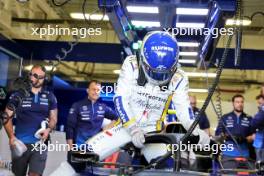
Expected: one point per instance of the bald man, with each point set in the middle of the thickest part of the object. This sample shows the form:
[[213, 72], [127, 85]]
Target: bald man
[[41, 104]]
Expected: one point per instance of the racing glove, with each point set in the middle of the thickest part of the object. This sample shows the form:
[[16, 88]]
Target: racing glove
[[137, 136]]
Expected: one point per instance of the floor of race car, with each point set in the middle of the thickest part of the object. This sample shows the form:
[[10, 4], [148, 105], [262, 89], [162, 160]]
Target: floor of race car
[[153, 172]]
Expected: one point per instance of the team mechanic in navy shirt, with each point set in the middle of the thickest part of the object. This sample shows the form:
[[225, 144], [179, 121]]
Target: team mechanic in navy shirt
[[257, 124], [85, 119], [41, 104], [204, 122], [236, 123]]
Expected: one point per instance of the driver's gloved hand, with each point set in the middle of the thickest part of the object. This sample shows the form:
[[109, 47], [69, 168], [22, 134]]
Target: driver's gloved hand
[[137, 135]]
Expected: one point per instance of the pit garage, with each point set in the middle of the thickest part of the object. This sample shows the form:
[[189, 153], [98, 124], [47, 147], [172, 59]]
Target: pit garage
[[100, 74]]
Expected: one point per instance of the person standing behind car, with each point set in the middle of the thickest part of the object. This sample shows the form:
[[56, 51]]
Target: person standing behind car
[[235, 127], [33, 110], [257, 124], [85, 120], [204, 122]]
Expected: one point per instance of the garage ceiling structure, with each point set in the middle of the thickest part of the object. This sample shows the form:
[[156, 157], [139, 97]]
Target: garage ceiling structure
[[17, 19]]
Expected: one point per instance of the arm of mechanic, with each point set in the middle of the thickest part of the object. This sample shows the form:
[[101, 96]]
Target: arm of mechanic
[[250, 138], [111, 115], [258, 121], [52, 124], [9, 128], [13, 103], [220, 129], [71, 124], [205, 124], [53, 116]]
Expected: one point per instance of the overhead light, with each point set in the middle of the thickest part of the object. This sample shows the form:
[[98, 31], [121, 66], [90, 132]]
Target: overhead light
[[142, 9], [28, 67], [135, 46], [244, 22], [198, 90], [190, 25], [95, 17], [116, 71], [200, 74], [188, 53], [22, 1], [187, 61], [145, 23], [200, 101], [188, 44], [47, 67], [191, 11]]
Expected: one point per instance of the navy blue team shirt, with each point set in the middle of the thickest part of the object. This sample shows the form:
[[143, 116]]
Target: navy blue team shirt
[[203, 122], [257, 123], [31, 112], [238, 126], [85, 120]]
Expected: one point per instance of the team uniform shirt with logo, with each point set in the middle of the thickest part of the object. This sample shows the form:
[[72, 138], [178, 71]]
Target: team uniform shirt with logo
[[239, 127], [31, 112], [258, 123], [85, 120], [203, 122]]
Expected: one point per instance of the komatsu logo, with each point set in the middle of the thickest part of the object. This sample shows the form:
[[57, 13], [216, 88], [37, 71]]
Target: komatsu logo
[[163, 48]]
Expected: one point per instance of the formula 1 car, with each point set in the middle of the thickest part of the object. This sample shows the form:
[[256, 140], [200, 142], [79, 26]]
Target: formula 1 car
[[176, 166]]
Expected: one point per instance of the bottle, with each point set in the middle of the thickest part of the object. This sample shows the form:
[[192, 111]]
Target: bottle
[[19, 148], [62, 128]]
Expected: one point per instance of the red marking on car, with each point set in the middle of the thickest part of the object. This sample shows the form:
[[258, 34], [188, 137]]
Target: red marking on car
[[108, 133]]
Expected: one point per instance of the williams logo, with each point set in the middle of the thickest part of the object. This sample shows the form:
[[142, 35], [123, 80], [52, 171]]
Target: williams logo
[[161, 48]]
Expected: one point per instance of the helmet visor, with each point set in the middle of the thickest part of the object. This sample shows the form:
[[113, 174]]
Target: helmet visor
[[158, 74]]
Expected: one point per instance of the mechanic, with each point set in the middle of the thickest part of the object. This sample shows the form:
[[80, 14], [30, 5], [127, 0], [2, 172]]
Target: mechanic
[[146, 86], [235, 128], [257, 124], [85, 120], [41, 104], [204, 122]]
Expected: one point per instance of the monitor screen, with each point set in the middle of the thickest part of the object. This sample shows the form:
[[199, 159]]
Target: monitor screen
[[9, 69]]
